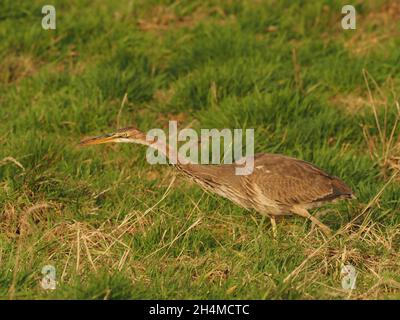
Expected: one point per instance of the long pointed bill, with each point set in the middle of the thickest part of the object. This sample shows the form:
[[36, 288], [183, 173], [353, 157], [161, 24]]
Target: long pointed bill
[[106, 138]]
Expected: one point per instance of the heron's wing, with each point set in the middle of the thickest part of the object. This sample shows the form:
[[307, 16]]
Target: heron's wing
[[289, 181]]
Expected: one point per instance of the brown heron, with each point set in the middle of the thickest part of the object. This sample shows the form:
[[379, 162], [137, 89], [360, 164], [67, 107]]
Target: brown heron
[[278, 186]]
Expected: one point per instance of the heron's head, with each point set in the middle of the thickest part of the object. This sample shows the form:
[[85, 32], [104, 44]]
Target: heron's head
[[127, 135]]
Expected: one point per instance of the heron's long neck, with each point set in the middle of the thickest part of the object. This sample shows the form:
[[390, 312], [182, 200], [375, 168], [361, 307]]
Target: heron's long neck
[[170, 153]]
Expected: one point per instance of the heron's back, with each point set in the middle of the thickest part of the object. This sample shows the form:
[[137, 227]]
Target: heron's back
[[276, 184]]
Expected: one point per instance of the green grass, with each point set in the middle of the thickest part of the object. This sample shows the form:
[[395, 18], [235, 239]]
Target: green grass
[[116, 227]]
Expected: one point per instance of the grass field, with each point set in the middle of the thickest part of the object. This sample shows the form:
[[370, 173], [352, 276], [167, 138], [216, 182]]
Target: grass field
[[115, 227]]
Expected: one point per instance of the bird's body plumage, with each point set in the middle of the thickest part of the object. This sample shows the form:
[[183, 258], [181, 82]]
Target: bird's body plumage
[[279, 185]]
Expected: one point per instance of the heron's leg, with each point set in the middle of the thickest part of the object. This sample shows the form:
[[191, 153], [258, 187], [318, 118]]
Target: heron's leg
[[273, 224], [304, 213], [319, 214]]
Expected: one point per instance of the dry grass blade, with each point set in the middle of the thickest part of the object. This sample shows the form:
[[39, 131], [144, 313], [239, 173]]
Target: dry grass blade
[[11, 159], [124, 100], [179, 235]]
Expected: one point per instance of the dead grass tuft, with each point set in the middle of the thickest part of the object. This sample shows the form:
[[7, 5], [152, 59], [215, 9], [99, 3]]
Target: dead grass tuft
[[162, 18], [15, 222], [364, 250], [14, 68], [164, 95], [84, 246], [354, 103]]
